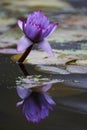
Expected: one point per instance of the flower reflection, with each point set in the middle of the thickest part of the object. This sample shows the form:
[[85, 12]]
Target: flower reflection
[[35, 104]]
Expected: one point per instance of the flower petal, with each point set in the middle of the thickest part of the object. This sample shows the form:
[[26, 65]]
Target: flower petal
[[49, 30], [24, 42], [45, 88], [20, 24], [33, 32], [22, 92], [46, 47], [49, 99], [19, 103]]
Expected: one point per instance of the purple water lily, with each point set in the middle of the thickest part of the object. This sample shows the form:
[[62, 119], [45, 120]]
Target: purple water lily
[[36, 27], [35, 105]]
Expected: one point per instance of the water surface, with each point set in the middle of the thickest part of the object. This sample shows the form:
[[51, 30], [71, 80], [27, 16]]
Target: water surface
[[70, 111]]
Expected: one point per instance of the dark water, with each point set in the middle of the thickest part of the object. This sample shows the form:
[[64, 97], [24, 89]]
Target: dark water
[[70, 111]]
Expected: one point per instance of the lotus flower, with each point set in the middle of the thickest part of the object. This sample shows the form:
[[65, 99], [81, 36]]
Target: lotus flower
[[36, 27], [35, 105]]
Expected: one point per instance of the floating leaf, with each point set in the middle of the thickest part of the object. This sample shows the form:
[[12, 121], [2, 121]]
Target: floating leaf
[[8, 51], [40, 4], [52, 69], [75, 20], [5, 24], [81, 62], [77, 69], [10, 38], [16, 57], [72, 52], [63, 35], [60, 58], [68, 58]]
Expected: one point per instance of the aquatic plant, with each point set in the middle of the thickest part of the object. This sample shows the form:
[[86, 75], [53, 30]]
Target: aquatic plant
[[36, 27]]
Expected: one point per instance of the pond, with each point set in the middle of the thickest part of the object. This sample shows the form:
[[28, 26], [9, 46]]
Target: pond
[[44, 92], [69, 95]]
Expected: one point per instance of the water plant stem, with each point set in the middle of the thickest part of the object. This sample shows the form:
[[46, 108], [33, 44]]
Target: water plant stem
[[24, 55], [23, 69]]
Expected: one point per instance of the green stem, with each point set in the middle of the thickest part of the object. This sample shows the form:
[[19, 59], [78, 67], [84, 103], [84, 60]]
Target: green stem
[[23, 57]]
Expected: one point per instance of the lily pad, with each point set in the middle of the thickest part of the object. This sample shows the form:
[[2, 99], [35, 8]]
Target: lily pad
[[72, 52], [67, 35], [81, 62], [40, 4], [5, 24], [42, 58], [52, 69], [8, 51], [77, 21], [77, 69], [10, 38]]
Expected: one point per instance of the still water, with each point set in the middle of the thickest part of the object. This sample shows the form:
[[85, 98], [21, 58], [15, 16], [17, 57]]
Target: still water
[[69, 95]]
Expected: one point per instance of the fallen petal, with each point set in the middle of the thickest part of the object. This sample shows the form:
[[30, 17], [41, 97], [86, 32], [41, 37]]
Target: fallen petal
[[46, 47], [23, 44]]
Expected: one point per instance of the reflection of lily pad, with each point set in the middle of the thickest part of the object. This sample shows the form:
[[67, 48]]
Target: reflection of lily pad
[[35, 81]]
